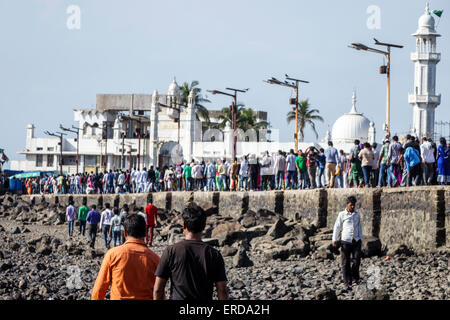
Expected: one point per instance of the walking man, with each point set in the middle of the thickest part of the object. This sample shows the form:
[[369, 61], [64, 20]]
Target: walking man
[[129, 269], [105, 224], [82, 214], [192, 266], [349, 222], [70, 217], [332, 159], [152, 213], [93, 218]]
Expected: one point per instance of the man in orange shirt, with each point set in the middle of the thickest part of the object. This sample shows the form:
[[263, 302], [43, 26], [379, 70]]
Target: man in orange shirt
[[152, 213], [129, 268]]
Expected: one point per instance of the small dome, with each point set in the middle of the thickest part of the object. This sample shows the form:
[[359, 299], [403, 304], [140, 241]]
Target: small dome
[[426, 21], [351, 126], [174, 90]]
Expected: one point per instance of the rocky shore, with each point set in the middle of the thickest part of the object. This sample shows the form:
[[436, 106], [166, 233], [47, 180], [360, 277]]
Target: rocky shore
[[266, 256]]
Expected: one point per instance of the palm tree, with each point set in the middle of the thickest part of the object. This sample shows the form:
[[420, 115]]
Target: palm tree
[[245, 119], [306, 116], [201, 111]]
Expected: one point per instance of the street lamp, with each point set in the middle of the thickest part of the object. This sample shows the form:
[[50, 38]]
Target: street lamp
[[233, 111], [77, 131], [295, 86], [383, 70], [178, 120], [60, 136], [138, 119]]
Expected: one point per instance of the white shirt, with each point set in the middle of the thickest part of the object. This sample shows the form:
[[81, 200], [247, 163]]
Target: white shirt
[[106, 217], [143, 177], [350, 224], [427, 152], [376, 155], [137, 177]]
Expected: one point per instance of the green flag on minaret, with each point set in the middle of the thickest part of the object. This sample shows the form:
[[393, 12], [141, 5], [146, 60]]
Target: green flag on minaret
[[438, 12]]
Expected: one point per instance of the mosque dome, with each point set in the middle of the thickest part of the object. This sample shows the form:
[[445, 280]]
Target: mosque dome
[[174, 90], [426, 24], [351, 126]]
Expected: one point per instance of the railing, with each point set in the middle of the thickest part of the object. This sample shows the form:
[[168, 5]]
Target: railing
[[425, 56], [412, 98]]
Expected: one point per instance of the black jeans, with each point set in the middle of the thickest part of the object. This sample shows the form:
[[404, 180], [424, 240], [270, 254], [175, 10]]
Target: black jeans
[[92, 232], [351, 259]]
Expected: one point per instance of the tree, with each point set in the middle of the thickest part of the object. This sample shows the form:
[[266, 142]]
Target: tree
[[306, 116], [200, 110], [245, 119]]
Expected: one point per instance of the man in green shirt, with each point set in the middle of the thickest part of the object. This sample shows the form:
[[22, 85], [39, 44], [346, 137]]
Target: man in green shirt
[[82, 214], [300, 163], [187, 171]]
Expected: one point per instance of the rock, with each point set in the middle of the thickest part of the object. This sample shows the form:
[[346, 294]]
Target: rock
[[94, 253], [43, 291], [211, 241], [209, 208], [325, 294], [256, 231], [237, 284], [222, 229], [397, 249], [230, 237], [2, 229], [41, 266], [15, 246], [15, 230], [297, 270], [26, 230], [278, 230], [43, 249], [22, 284], [5, 266], [371, 246], [241, 260], [228, 251], [277, 253]]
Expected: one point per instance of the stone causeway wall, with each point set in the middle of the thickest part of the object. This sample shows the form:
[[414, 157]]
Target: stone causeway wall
[[416, 216]]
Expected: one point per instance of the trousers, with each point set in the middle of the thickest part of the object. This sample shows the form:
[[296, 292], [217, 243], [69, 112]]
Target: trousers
[[351, 259]]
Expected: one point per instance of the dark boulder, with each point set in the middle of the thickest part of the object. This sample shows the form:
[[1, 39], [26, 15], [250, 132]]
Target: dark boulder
[[370, 247]]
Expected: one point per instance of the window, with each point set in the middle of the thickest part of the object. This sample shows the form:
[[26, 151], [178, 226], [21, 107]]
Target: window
[[50, 148], [39, 160], [39, 148], [50, 158]]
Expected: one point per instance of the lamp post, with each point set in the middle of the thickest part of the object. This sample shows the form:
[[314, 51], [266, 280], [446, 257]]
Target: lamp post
[[60, 136], [178, 120], [139, 120], [233, 111], [383, 70], [295, 86], [77, 132]]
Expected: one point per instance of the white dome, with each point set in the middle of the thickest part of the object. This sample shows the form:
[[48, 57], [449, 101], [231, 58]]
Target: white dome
[[351, 126], [426, 21], [174, 90]]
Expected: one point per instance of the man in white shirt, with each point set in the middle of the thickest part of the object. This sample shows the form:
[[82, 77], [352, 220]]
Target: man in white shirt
[[105, 223], [349, 222], [137, 181], [143, 180], [133, 180], [427, 154]]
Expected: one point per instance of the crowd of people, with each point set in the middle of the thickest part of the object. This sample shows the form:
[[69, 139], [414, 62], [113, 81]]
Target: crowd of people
[[405, 162]]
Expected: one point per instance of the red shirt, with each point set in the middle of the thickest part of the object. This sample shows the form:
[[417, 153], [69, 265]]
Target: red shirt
[[151, 211]]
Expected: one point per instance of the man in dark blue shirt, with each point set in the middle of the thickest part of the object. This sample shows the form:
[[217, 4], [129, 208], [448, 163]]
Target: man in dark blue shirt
[[321, 160], [93, 218]]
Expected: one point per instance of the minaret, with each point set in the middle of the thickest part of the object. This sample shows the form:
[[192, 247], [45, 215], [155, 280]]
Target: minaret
[[189, 132], [424, 100], [154, 129]]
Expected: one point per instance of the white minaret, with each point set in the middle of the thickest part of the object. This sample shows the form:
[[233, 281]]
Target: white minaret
[[424, 100]]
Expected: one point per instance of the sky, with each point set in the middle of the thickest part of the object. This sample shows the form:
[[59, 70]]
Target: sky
[[136, 46]]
